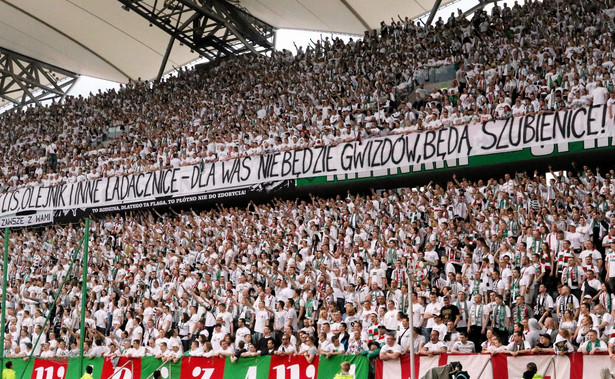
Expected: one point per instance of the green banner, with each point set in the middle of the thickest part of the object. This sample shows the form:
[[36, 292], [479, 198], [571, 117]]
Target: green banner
[[76, 370], [22, 368], [247, 368], [265, 367], [167, 369], [328, 367]]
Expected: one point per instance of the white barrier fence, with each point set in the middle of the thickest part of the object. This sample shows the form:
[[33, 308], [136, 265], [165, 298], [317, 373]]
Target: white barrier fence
[[502, 366]]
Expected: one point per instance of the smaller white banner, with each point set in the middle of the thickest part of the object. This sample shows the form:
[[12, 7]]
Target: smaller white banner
[[15, 221]]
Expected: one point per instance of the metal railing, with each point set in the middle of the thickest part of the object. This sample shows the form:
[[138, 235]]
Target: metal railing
[[157, 368], [132, 368], [444, 73]]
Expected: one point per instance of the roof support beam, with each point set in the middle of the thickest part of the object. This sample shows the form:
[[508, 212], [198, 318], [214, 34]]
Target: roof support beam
[[434, 10], [25, 81], [165, 59], [481, 4], [356, 15], [167, 53]]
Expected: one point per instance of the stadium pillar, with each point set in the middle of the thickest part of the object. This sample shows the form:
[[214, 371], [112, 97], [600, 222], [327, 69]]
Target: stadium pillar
[[434, 10], [5, 266], [410, 289], [478, 7], [84, 289], [165, 59]]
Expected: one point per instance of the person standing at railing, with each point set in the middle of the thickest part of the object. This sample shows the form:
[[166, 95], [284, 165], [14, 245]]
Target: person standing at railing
[[8, 372], [500, 318], [531, 371], [88, 373], [593, 344], [345, 373]]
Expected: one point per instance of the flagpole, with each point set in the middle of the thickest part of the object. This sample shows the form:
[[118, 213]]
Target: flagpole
[[4, 280], [84, 289], [410, 290]]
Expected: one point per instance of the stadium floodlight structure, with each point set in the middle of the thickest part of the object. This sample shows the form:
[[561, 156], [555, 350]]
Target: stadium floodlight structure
[[25, 81], [212, 28]]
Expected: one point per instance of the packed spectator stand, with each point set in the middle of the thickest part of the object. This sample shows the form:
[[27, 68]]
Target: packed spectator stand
[[511, 265], [493, 264], [524, 59]]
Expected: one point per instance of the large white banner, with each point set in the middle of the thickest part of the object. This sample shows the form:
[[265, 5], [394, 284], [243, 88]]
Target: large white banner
[[393, 151]]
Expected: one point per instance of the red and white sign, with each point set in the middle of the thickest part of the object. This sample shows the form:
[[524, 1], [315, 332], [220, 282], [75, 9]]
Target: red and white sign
[[292, 367], [126, 368], [501, 366], [49, 369], [593, 364], [202, 368]]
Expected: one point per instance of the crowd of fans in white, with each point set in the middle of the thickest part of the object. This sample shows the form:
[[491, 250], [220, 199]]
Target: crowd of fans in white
[[514, 265], [535, 57]]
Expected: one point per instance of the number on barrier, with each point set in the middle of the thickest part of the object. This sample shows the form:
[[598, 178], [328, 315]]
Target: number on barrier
[[122, 373], [207, 372], [310, 371], [47, 373], [251, 374], [294, 371]]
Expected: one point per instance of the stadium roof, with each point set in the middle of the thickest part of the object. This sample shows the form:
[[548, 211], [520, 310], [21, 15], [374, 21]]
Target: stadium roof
[[90, 37], [338, 16], [99, 38]]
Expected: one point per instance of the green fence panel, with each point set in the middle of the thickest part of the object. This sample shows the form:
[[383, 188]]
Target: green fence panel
[[247, 368], [328, 367]]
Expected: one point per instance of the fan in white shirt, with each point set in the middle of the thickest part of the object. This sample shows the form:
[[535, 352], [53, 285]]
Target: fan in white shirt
[[391, 349], [46, 352], [195, 349], [434, 346], [174, 355], [463, 345], [286, 348], [136, 351]]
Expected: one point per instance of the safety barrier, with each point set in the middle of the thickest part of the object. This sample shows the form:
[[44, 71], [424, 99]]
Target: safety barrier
[[502, 366], [264, 367]]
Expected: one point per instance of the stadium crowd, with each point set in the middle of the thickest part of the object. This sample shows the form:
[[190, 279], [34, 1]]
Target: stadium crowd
[[535, 57], [510, 265]]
